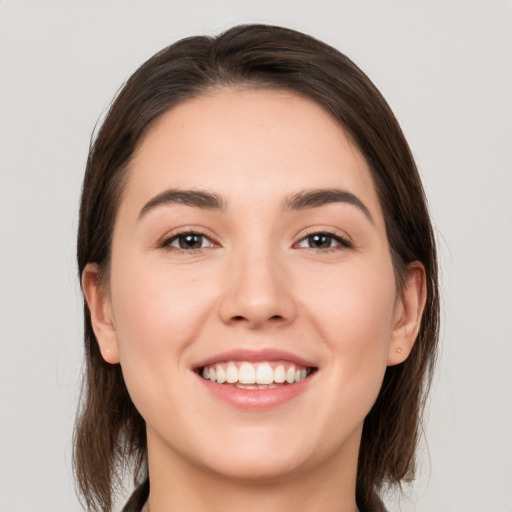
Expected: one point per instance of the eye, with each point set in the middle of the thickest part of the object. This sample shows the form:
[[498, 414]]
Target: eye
[[323, 241], [188, 241]]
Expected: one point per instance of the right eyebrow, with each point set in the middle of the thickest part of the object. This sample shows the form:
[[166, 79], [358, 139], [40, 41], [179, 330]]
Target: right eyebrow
[[195, 198]]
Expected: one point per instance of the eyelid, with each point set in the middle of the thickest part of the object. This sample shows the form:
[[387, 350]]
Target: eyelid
[[165, 241], [343, 239]]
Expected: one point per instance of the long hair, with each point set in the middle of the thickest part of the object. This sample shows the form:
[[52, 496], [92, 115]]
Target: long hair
[[110, 434]]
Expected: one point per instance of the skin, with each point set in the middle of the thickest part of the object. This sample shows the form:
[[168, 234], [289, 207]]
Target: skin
[[256, 284]]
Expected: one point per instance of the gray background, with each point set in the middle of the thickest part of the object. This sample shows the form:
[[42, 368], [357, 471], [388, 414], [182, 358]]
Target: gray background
[[446, 69]]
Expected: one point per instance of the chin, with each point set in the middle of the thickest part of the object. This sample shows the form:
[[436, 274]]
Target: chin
[[265, 455], [259, 467]]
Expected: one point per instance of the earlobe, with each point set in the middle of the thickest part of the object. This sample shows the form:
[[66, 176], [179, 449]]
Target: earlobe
[[409, 311], [100, 310]]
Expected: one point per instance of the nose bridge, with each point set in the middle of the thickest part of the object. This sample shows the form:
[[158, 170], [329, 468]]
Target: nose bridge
[[258, 290]]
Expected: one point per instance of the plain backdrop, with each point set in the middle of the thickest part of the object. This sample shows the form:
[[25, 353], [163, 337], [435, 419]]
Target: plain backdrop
[[446, 69]]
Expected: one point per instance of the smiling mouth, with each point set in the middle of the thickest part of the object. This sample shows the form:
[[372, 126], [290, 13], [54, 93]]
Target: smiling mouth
[[262, 375]]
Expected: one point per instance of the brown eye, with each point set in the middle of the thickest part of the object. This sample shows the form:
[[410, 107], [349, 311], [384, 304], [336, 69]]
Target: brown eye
[[321, 241], [189, 241]]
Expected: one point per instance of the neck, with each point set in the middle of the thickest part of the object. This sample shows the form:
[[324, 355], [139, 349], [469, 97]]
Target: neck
[[178, 485]]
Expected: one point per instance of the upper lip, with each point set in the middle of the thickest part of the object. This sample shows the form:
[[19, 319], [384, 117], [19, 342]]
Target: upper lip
[[255, 356]]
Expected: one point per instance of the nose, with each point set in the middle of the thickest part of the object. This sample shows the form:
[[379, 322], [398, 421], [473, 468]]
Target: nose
[[258, 292]]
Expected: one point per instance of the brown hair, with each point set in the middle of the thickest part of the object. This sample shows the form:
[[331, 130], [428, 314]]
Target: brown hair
[[110, 433]]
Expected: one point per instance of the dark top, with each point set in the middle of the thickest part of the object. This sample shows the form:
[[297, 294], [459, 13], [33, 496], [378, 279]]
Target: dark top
[[138, 499], [140, 495]]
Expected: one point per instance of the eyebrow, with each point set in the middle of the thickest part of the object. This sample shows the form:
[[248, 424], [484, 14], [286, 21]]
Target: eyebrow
[[194, 198], [303, 200], [321, 197]]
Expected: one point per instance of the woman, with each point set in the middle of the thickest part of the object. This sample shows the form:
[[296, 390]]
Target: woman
[[260, 282]]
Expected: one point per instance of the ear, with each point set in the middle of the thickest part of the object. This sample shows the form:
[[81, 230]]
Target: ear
[[100, 308], [408, 313]]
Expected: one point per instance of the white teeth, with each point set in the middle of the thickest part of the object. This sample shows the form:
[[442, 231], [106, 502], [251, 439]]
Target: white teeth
[[254, 376], [279, 374], [246, 374], [264, 374], [255, 386], [231, 373], [245, 386], [221, 374]]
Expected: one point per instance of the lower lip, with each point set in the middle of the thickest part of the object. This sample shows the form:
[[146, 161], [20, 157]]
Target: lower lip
[[256, 399]]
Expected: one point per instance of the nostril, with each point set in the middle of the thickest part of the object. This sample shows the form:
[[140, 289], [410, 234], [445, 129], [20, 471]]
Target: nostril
[[240, 318]]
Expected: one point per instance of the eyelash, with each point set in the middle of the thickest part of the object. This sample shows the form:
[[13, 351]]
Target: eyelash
[[166, 243], [342, 241]]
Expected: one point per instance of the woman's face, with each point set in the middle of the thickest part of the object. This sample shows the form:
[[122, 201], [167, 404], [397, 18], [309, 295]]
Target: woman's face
[[250, 248]]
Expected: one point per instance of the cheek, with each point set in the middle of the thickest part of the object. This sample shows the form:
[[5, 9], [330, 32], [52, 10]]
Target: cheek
[[354, 314], [356, 301], [158, 315], [154, 307]]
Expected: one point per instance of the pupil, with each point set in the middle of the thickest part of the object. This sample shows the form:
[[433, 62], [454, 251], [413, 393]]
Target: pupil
[[320, 241], [190, 241]]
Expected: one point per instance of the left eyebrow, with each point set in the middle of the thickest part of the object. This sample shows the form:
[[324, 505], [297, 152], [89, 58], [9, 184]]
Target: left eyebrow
[[194, 198], [321, 197]]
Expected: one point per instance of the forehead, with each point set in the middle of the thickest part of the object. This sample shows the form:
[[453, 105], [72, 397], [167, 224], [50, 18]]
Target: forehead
[[248, 144]]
